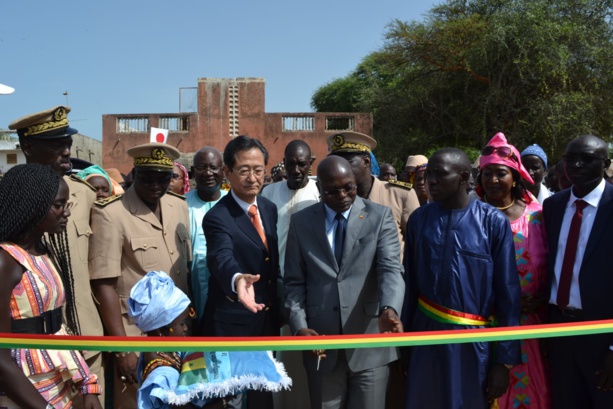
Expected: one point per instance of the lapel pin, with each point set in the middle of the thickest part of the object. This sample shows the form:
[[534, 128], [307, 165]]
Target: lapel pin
[[361, 216]]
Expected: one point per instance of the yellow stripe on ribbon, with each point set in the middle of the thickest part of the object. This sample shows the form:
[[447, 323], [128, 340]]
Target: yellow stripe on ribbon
[[152, 344]]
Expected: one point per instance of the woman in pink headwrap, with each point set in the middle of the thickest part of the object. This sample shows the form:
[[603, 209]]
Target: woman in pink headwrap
[[500, 183], [179, 183]]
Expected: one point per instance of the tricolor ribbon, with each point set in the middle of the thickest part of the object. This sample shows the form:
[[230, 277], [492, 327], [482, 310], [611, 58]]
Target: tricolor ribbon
[[447, 315], [116, 344]]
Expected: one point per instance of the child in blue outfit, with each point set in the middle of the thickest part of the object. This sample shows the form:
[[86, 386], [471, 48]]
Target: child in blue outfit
[[196, 379]]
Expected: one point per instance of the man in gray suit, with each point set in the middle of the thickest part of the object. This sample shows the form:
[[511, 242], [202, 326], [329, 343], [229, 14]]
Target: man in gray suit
[[343, 276]]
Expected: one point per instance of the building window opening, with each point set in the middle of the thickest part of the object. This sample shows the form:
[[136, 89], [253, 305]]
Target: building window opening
[[129, 125], [298, 123], [340, 123]]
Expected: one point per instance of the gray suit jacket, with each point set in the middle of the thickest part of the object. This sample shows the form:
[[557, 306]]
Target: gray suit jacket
[[333, 301]]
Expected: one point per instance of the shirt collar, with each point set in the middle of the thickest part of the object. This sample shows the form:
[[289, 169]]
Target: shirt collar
[[244, 205], [331, 214], [592, 198]]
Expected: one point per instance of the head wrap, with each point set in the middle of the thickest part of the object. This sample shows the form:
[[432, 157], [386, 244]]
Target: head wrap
[[116, 177], [374, 166], [417, 162], [536, 151], [513, 161], [96, 170], [276, 169], [155, 301], [185, 177]]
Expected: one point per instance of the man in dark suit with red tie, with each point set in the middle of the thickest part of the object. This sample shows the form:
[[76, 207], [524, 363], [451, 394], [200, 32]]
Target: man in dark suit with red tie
[[242, 255], [579, 221]]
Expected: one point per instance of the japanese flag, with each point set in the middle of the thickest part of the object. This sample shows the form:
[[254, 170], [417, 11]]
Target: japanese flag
[[158, 135]]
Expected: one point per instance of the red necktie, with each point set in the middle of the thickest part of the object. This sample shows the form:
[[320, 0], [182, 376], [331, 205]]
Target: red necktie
[[566, 274], [253, 214]]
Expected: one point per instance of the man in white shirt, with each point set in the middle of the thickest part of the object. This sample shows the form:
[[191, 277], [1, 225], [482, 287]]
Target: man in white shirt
[[578, 221], [292, 195], [296, 193]]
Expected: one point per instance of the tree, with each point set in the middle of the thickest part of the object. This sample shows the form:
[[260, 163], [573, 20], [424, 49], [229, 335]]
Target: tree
[[540, 71]]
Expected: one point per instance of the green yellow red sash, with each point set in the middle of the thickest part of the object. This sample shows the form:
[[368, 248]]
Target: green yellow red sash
[[447, 315]]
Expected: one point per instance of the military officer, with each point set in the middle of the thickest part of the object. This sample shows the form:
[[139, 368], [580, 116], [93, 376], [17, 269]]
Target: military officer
[[142, 230], [46, 138], [398, 196]]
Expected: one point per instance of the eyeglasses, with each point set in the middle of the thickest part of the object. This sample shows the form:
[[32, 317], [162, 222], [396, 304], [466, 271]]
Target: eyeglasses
[[204, 168], [63, 207], [244, 172], [502, 151], [581, 157], [339, 190]]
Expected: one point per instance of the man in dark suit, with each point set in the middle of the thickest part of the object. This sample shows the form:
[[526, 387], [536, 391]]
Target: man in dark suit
[[578, 222], [242, 254], [343, 276]]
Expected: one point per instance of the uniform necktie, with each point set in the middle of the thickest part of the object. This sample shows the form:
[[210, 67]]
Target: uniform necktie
[[253, 215], [566, 274], [339, 238]]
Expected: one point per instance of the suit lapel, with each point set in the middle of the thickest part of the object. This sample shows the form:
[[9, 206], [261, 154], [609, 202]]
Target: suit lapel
[[354, 227], [558, 210], [243, 222], [318, 231], [605, 207]]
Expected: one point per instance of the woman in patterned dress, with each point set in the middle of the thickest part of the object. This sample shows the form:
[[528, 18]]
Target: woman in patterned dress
[[36, 283], [500, 183]]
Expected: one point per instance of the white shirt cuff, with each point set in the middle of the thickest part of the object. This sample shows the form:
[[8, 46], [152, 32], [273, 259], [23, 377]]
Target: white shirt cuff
[[233, 281]]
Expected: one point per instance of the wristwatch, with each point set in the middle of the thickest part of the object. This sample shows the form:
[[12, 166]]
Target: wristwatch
[[387, 307], [508, 366]]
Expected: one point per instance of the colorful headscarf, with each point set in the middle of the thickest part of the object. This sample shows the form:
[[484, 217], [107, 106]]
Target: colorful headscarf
[[96, 170], [185, 177], [513, 161], [155, 301], [418, 162], [274, 171]]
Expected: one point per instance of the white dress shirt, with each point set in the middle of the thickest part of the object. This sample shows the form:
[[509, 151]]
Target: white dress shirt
[[589, 214]]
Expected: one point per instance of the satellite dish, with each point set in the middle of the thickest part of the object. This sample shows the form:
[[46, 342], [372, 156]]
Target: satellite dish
[[5, 89]]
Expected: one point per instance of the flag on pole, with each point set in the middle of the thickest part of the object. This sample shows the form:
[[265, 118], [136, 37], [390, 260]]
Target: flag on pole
[[158, 135]]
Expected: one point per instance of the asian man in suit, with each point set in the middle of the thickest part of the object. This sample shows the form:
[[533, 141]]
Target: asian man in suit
[[343, 275], [579, 222], [242, 255]]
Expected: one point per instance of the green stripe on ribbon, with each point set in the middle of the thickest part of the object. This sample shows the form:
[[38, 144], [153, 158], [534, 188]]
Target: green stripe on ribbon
[[116, 344]]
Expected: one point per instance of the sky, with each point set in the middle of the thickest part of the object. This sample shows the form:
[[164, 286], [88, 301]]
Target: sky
[[120, 57]]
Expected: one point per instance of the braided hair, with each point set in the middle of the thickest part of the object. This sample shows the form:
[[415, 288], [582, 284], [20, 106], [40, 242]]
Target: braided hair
[[26, 195]]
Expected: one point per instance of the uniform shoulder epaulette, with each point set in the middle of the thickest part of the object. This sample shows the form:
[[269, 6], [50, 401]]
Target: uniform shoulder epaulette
[[106, 201], [78, 179], [398, 183], [175, 195]]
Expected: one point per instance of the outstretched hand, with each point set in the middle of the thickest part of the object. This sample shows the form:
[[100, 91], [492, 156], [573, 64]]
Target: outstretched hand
[[245, 292]]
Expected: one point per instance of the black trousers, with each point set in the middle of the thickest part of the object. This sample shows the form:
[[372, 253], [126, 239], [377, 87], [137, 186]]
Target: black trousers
[[574, 362]]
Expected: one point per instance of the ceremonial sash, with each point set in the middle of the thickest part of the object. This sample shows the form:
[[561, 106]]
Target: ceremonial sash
[[447, 315]]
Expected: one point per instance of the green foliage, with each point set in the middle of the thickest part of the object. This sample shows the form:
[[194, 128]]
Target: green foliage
[[540, 71]]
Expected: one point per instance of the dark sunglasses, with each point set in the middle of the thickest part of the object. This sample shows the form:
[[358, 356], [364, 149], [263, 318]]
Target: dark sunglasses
[[502, 151], [580, 157]]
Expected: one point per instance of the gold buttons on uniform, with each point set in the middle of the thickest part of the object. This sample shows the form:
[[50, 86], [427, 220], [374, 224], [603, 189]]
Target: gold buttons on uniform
[[172, 252], [145, 246], [267, 259]]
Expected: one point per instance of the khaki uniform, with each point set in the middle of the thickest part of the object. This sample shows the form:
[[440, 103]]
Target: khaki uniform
[[129, 241], [83, 196], [402, 200]]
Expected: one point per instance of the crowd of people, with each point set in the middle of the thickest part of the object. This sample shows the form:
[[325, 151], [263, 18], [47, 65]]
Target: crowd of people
[[453, 244]]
